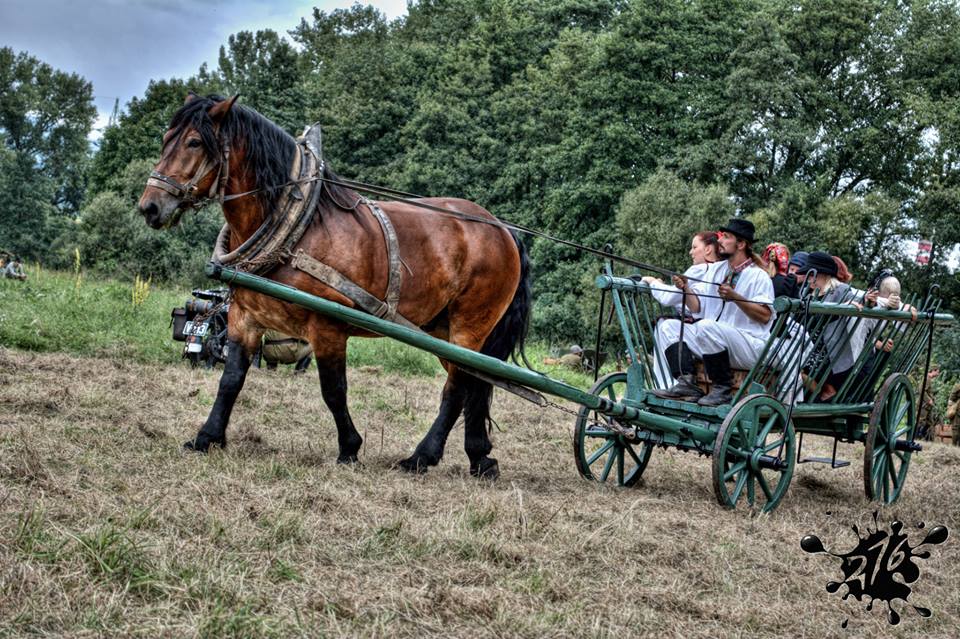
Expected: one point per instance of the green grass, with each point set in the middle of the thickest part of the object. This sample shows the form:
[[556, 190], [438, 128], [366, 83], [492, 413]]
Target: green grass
[[53, 312]]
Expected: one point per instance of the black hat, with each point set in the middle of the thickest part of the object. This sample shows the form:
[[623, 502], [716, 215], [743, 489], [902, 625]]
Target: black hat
[[820, 262], [741, 228]]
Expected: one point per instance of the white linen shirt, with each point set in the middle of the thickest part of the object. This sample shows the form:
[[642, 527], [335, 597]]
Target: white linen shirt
[[669, 295], [752, 282]]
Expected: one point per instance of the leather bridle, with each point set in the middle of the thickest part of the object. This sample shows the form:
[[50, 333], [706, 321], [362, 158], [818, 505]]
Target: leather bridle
[[187, 193]]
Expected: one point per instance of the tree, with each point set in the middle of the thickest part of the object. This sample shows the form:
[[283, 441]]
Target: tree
[[657, 220], [45, 116], [265, 70]]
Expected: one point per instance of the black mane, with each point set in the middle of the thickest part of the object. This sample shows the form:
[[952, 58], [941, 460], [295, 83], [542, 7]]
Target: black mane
[[269, 149]]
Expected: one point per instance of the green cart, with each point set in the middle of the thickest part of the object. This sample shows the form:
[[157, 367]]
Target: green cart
[[756, 440]]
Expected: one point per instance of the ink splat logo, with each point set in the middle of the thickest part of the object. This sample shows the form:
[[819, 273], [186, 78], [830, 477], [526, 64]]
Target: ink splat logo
[[881, 566]]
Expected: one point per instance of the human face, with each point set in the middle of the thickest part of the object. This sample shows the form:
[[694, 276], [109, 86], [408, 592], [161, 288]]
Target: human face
[[792, 270], [728, 243], [697, 251]]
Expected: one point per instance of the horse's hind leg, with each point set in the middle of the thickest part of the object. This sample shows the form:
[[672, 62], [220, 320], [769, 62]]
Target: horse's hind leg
[[214, 430], [476, 442], [430, 450], [332, 366]]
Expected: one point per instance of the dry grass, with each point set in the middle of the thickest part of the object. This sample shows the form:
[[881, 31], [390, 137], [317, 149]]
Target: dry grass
[[107, 528]]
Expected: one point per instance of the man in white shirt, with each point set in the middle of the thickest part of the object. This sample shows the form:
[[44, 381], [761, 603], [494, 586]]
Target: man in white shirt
[[735, 304]]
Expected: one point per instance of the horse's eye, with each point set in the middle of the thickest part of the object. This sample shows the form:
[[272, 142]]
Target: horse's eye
[[194, 143]]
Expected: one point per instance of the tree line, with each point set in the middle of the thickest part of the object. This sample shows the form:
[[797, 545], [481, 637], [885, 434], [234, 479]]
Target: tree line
[[832, 124]]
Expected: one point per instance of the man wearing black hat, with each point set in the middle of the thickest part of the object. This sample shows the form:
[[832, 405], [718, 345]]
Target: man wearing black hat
[[734, 301]]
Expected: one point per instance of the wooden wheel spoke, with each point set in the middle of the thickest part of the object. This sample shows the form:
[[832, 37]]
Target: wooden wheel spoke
[[902, 431], [775, 444], [764, 487], [633, 454], [594, 457], [736, 468], [878, 475], [739, 452], [892, 472], [608, 465], [901, 413], [742, 433], [738, 487], [771, 422], [751, 489], [900, 455], [754, 415]]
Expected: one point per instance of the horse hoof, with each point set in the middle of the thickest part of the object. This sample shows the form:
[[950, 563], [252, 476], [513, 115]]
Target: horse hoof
[[347, 459], [487, 468], [202, 444], [416, 465]]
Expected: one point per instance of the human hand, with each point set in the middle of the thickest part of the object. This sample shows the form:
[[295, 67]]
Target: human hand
[[680, 282], [727, 292], [870, 299], [893, 302]]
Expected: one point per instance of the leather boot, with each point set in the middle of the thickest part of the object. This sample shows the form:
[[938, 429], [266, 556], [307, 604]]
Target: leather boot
[[680, 361], [721, 379]]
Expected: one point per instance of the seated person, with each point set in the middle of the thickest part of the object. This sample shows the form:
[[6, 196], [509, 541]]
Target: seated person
[[776, 257], [14, 270], [833, 346], [572, 359], [704, 250], [735, 304], [886, 296]]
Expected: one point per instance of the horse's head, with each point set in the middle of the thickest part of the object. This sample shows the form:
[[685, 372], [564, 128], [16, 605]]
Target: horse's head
[[194, 161]]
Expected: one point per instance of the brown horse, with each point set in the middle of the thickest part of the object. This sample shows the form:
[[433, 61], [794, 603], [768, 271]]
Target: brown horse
[[463, 281]]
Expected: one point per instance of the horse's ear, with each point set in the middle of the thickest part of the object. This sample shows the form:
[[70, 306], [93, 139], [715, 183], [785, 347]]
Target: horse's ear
[[191, 96], [221, 108]]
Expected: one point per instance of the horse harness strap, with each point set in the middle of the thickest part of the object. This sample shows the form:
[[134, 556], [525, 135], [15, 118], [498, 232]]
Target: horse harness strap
[[355, 293], [271, 243]]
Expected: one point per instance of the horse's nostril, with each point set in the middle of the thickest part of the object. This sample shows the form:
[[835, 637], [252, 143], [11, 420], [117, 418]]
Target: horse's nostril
[[149, 210]]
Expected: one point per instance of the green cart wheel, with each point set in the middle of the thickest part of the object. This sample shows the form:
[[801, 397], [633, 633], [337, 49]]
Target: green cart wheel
[[600, 452], [754, 454], [893, 419]]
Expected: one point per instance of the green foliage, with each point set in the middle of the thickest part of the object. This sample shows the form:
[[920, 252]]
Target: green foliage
[[832, 124], [45, 115], [264, 69], [656, 220]]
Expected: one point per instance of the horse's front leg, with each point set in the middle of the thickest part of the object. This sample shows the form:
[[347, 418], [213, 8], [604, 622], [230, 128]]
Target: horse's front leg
[[331, 352], [239, 355]]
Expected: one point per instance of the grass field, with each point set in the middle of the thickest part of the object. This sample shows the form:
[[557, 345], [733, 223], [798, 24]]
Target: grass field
[[108, 529], [65, 312]]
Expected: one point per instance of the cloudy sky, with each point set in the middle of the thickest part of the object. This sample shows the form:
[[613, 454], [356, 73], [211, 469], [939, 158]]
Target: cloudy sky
[[120, 45]]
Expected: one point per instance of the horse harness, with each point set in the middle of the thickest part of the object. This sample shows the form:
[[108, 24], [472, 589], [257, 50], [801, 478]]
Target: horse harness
[[272, 243]]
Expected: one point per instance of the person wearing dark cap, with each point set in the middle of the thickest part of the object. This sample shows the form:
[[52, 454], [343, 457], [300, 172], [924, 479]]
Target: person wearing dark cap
[[835, 349], [734, 300], [797, 261]]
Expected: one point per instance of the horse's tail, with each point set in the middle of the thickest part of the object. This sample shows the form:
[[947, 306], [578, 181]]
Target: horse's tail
[[509, 334]]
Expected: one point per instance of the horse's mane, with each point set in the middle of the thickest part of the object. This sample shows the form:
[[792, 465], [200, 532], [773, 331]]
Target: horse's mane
[[269, 149]]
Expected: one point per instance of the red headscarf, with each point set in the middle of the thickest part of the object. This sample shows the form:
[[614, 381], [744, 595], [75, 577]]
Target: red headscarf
[[776, 257]]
